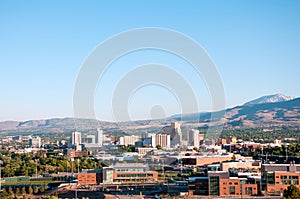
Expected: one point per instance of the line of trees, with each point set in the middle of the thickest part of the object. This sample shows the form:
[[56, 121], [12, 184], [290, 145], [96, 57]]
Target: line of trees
[[12, 193], [29, 164], [264, 134]]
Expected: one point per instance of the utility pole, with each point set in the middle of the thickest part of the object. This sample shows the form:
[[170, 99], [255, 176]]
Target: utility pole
[[286, 153]]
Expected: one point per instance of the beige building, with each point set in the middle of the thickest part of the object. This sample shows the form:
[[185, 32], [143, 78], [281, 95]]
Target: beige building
[[162, 140], [129, 140]]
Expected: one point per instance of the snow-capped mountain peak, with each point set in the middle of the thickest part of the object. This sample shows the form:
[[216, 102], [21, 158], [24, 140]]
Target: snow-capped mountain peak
[[270, 99]]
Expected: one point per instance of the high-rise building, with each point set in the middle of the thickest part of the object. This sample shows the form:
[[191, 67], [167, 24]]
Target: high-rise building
[[89, 139], [35, 142], [76, 138], [99, 137], [176, 135], [162, 140], [193, 138], [152, 139]]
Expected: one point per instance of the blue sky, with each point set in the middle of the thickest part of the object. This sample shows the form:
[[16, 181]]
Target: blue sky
[[254, 44]]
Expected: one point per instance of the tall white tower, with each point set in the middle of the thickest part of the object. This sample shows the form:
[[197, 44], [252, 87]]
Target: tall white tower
[[99, 137], [76, 138], [176, 135], [193, 138]]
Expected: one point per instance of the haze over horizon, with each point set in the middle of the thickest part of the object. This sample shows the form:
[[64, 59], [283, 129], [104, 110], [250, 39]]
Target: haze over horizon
[[254, 45]]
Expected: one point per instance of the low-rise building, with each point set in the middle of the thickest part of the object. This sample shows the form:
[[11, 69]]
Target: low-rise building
[[92, 177], [277, 177], [219, 183], [133, 172]]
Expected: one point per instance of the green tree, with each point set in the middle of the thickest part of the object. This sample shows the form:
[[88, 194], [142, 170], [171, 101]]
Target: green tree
[[30, 190], [17, 191], [35, 190], [4, 192], [10, 192], [292, 192], [42, 189], [23, 191]]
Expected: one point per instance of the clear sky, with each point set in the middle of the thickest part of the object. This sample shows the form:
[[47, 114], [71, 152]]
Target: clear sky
[[254, 44]]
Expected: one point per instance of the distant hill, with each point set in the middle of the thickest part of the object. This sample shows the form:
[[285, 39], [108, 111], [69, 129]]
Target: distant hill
[[271, 110], [253, 115], [270, 99], [54, 125]]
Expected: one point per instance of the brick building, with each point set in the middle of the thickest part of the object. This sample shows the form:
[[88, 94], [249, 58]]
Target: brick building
[[277, 177], [218, 183], [234, 186], [89, 178]]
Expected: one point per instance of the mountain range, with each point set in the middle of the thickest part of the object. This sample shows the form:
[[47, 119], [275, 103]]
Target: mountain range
[[271, 110]]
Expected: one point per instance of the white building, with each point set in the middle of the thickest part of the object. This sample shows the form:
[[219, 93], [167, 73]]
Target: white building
[[35, 142], [193, 138], [129, 140], [76, 138], [99, 137], [176, 134]]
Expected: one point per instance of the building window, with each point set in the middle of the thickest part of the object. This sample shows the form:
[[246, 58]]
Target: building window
[[270, 178], [232, 190], [248, 190], [214, 186]]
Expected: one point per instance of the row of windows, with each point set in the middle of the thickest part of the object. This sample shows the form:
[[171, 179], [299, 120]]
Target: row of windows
[[248, 190], [230, 183], [289, 182], [135, 175], [130, 170], [214, 186], [288, 177]]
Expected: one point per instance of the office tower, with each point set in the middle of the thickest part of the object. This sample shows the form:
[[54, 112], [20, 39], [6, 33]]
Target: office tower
[[176, 135], [193, 138], [91, 139], [99, 137], [35, 142], [162, 140], [76, 138]]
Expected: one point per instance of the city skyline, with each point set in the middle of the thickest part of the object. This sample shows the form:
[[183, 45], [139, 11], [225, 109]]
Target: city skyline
[[253, 45]]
